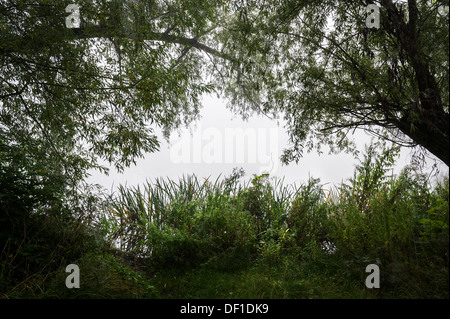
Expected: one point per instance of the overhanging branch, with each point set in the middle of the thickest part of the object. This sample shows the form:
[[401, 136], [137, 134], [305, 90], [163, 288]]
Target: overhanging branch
[[107, 32]]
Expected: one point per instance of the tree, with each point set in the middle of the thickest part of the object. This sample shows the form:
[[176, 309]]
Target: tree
[[329, 71], [99, 91]]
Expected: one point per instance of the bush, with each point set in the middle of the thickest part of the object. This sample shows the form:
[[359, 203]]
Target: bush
[[48, 245], [38, 233], [308, 218], [183, 224], [102, 276], [399, 222]]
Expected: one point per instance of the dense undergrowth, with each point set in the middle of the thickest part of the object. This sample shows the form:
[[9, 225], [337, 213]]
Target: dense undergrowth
[[197, 238]]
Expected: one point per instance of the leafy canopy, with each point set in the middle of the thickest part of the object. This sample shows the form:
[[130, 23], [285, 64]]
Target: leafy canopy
[[328, 71], [99, 92]]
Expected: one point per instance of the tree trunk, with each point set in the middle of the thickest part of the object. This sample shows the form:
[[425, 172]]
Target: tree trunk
[[433, 140], [432, 128]]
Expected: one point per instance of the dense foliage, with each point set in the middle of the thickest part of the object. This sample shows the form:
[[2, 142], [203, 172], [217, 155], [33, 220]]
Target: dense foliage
[[329, 70], [71, 98], [102, 90], [237, 231], [260, 232]]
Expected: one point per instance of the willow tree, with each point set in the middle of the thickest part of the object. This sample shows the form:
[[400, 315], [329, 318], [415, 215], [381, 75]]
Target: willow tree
[[90, 81], [93, 80], [332, 67]]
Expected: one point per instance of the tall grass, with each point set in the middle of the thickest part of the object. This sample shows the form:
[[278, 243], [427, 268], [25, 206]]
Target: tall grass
[[228, 237], [400, 222]]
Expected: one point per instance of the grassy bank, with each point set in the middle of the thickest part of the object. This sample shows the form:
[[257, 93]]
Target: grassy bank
[[196, 238]]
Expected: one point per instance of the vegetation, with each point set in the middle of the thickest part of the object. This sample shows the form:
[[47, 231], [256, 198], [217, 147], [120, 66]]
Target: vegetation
[[233, 239], [72, 98], [328, 71], [100, 91]]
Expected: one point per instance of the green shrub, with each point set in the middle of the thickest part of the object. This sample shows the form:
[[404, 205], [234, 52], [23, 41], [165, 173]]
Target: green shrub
[[49, 244], [101, 276], [307, 217], [400, 222]]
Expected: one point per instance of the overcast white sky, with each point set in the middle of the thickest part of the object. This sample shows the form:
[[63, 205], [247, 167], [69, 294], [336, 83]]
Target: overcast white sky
[[215, 147]]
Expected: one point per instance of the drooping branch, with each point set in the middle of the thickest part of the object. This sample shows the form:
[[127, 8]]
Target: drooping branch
[[106, 32]]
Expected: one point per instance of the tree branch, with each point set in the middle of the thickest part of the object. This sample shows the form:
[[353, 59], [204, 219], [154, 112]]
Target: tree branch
[[106, 32]]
